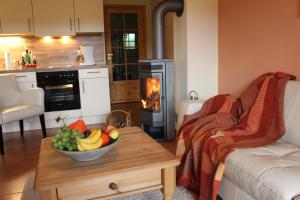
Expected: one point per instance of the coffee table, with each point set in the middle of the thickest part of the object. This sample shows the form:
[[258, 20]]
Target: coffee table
[[137, 164]]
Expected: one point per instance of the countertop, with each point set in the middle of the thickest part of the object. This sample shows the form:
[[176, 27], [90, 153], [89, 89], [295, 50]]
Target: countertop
[[54, 68]]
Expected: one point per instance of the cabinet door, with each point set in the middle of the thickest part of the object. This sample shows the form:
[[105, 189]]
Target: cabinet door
[[27, 85], [53, 18], [16, 17], [94, 96], [89, 16]]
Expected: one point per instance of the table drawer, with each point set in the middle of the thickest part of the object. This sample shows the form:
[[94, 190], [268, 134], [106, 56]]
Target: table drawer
[[116, 184]]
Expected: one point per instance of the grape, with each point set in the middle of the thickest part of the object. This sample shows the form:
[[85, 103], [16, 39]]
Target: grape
[[65, 138]]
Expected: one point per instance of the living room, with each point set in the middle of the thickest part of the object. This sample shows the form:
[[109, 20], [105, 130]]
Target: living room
[[215, 47]]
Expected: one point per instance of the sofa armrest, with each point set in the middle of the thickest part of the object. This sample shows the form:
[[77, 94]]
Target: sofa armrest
[[34, 96], [188, 107]]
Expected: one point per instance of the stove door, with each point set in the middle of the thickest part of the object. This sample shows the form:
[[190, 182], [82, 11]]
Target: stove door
[[152, 97]]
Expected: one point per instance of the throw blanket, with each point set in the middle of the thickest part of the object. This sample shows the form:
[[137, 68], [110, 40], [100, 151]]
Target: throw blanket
[[225, 123]]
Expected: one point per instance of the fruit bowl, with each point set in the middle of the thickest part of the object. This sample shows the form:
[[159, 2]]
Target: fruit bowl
[[88, 155]]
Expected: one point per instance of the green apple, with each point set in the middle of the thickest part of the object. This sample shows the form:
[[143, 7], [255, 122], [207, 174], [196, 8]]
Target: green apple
[[113, 133]]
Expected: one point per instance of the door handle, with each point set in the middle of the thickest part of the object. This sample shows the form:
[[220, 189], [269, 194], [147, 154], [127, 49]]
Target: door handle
[[109, 56]]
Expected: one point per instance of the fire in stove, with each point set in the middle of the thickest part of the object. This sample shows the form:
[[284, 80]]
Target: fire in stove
[[152, 100]]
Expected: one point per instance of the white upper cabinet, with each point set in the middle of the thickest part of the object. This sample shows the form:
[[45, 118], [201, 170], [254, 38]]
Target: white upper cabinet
[[53, 17], [89, 16], [16, 17]]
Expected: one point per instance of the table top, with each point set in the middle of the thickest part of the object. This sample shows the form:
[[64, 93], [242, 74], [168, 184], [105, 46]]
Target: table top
[[135, 150]]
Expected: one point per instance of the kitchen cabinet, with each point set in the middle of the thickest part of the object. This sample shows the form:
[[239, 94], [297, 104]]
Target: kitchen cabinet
[[94, 92], [53, 18], [16, 17], [89, 16], [26, 80]]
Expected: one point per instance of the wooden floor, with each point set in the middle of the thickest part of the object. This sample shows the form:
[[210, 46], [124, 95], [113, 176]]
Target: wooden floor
[[20, 159]]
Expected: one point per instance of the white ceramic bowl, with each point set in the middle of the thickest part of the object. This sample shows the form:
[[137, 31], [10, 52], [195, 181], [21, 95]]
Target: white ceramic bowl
[[88, 155]]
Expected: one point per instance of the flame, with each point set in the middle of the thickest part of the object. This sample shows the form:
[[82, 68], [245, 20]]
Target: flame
[[152, 100]]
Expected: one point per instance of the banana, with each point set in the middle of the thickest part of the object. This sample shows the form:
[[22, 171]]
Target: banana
[[89, 146], [79, 147], [95, 135]]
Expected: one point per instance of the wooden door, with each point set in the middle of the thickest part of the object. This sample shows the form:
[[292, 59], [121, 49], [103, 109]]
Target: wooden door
[[89, 16], [16, 17], [54, 18], [125, 41]]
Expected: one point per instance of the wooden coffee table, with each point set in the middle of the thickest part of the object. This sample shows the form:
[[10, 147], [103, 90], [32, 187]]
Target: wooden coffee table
[[137, 164]]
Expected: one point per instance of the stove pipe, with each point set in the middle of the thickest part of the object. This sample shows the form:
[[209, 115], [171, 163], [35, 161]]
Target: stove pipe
[[158, 18]]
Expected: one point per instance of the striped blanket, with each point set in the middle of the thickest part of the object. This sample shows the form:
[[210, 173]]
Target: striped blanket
[[224, 124]]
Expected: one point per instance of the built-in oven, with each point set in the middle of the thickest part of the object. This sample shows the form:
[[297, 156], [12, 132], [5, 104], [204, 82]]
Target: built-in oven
[[61, 90]]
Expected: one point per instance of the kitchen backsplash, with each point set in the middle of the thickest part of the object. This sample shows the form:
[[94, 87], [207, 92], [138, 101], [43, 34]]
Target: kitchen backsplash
[[51, 51]]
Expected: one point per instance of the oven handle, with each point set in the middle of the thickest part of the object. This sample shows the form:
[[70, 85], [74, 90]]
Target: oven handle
[[60, 86]]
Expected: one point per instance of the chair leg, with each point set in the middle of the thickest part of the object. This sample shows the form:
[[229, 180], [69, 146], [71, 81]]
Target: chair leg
[[42, 120], [21, 123], [1, 141]]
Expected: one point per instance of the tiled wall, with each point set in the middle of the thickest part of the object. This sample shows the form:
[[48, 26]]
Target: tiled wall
[[53, 51]]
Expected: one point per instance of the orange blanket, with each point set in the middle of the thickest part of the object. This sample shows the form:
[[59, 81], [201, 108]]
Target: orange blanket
[[225, 123]]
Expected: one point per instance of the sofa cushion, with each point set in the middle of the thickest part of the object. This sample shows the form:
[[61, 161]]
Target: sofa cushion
[[292, 112], [270, 172]]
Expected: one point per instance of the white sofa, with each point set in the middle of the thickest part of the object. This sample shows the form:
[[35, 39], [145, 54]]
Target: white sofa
[[271, 172]]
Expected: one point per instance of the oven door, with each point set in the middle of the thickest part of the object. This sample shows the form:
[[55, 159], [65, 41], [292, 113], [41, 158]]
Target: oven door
[[61, 90], [61, 97]]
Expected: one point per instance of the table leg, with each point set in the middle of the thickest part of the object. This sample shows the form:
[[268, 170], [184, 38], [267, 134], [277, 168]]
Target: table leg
[[169, 182], [48, 194]]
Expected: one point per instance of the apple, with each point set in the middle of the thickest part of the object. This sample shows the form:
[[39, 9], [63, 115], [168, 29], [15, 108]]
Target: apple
[[114, 134], [105, 139], [109, 128]]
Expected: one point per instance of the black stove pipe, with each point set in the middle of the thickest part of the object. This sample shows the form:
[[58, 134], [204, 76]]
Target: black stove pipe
[[158, 18]]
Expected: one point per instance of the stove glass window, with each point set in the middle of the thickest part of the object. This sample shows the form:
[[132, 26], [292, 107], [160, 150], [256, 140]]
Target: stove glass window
[[151, 94]]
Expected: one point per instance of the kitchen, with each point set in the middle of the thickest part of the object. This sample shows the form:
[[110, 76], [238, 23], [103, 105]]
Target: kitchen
[[64, 41]]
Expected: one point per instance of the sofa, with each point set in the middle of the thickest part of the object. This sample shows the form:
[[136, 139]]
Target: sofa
[[270, 172]]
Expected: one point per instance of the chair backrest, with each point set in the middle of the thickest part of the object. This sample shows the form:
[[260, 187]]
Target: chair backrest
[[9, 91], [292, 113]]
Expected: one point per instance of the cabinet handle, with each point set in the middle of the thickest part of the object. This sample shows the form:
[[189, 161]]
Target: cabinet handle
[[71, 27], [0, 26], [94, 72], [20, 76], [29, 25], [83, 88], [78, 23]]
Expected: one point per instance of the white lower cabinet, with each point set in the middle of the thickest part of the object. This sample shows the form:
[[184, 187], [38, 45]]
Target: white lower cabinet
[[27, 85], [94, 92]]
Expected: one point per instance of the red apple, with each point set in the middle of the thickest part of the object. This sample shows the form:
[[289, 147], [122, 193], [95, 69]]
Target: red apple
[[105, 139]]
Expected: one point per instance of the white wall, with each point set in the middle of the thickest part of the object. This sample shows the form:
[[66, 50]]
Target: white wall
[[196, 50], [180, 59]]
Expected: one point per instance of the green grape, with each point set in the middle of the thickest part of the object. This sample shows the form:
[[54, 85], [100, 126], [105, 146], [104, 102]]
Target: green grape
[[61, 147], [55, 146]]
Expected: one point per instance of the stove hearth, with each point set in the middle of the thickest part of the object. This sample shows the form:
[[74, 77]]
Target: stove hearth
[[157, 98]]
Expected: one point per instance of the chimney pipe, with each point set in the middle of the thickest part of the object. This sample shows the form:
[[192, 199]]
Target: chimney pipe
[[158, 18]]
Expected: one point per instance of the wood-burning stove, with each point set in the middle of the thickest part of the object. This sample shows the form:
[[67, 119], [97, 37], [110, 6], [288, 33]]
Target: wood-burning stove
[[157, 98]]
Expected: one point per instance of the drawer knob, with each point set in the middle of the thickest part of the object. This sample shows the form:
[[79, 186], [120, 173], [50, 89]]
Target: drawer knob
[[113, 186]]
